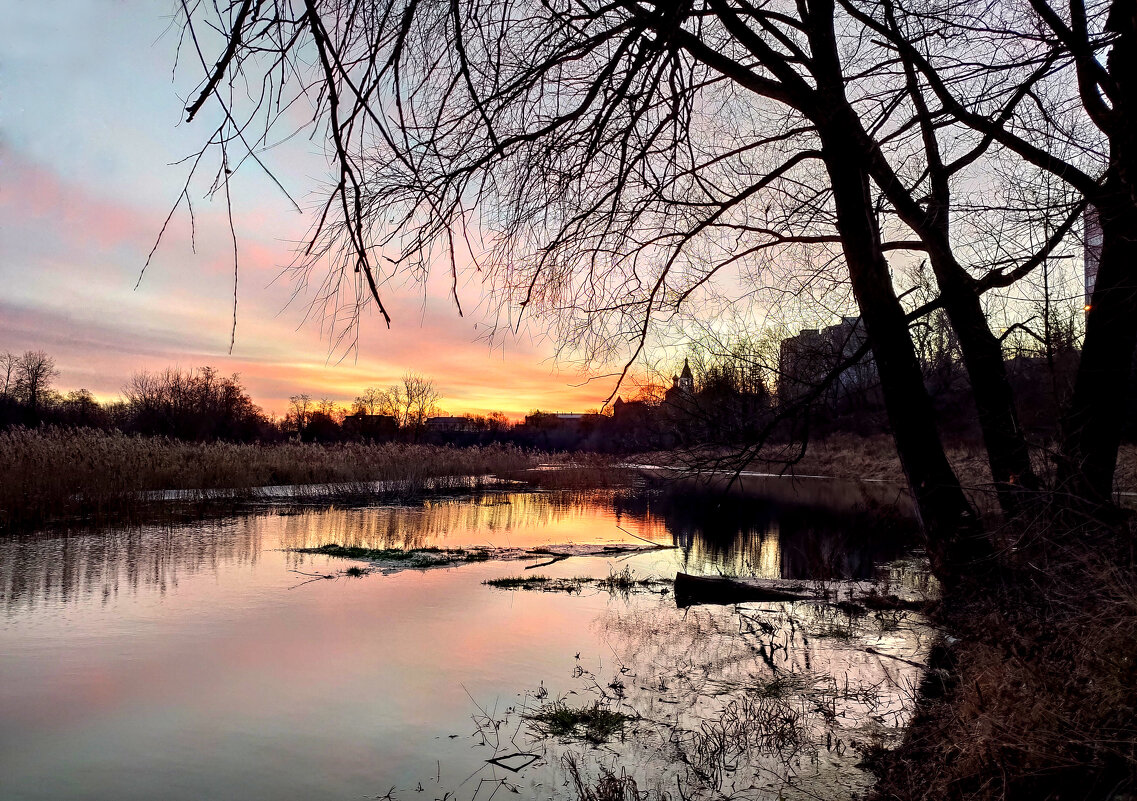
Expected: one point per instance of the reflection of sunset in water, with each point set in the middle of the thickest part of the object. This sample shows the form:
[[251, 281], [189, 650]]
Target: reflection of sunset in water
[[746, 541], [75, 569], [183, 662], [500, 520]]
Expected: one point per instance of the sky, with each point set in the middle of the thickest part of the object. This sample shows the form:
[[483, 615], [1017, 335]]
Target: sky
[[90, 130]]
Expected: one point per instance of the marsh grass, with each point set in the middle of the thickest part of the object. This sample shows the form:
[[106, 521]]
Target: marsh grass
[[621, 582], [410, 557], [624, 581], [87, 477], [579, 471], [608, 787], [596, 724], [539, 583]]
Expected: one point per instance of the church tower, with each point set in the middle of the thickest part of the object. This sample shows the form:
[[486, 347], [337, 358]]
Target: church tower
[[686, 381]]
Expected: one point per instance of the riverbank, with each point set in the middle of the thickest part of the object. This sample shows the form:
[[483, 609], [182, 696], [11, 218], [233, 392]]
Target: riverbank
[[873, 458], [1034, 693]]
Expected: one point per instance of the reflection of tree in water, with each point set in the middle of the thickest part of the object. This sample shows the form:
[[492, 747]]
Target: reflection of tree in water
[[751, 702], [37, 571], [494, 517], [749, 536]]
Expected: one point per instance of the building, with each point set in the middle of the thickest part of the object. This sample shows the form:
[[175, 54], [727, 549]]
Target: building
[[805, 360], [449, 424], [370, 426], [1091, 250], [682, 388]]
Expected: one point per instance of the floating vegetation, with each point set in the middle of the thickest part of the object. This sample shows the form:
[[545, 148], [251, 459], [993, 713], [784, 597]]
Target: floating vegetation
[[620, 582], [393, 559], [596, 723], [538, 582], [413, 557]]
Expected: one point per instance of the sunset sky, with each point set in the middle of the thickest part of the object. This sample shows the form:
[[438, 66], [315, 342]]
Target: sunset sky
[[89, 129]]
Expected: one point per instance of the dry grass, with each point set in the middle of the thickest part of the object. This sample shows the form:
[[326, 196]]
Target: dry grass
[[55, 475], [609, 787], [1037, 698], [874, 457]]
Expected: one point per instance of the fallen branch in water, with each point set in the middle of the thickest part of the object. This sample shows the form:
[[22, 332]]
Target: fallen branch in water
[[690, 590], [516, 768]]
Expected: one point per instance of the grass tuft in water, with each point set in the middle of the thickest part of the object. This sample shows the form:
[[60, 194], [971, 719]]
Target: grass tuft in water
[[609, 787], [425, 556], [537, 582], [623, 581], [594, 723], [515, 582]]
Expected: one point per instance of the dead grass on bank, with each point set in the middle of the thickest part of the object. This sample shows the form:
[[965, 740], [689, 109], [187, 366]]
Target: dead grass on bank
[[852, 456], [1036, 695], [52, 475]]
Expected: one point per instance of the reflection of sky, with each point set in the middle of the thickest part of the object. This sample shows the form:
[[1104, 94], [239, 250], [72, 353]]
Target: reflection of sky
[[184, 663], [89, 126]]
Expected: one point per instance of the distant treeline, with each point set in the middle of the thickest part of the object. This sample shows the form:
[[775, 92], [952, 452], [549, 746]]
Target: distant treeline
[[726, 401]]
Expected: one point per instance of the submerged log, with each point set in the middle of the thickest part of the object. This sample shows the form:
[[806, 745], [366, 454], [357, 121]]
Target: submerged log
[[691, 590]]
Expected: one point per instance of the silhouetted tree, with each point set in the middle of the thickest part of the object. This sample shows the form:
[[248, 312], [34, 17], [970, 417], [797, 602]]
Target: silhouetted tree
[[192, 404], [606, 163], [33, 374], [8, 362], [1056, 87], [410, 402]]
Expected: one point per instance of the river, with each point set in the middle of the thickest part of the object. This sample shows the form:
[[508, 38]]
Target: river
[[213, 661]]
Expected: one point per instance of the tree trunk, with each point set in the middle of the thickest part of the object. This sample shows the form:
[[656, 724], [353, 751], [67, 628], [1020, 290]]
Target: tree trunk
[[954, 538], [1003, 438], [1094, 421]]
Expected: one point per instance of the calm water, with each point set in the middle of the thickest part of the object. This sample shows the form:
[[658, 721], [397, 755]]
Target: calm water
[[200, 661]]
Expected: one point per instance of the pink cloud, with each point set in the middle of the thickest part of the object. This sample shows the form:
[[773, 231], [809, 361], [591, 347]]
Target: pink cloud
[[79, 254]]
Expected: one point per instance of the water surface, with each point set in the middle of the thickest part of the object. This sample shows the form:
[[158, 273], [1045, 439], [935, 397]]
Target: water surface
[[208, 661]]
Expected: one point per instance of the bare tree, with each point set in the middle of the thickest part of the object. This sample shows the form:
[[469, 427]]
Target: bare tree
[[34, 372], [300, 411], [194, 404], [411, 402], [609, 165], [367, 402], [1075, 66], [8, 361]]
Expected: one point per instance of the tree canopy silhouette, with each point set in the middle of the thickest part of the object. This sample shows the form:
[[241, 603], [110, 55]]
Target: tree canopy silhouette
[[617, 165]]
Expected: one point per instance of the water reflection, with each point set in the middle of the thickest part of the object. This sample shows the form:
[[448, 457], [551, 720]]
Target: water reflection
[[501, 520], [97, 568], [753, 536], [185, 662], [765, 697], [731, 536]]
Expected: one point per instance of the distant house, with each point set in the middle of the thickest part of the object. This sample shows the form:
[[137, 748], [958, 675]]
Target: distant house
[[806, 359], [631, 412], [449, 424], [370, 426], [541, 419]]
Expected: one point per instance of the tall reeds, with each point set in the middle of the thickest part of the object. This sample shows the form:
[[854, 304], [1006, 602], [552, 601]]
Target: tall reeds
[[52, 475]]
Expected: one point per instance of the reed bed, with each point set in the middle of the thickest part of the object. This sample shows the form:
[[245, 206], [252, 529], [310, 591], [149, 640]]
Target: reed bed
[[57, 475]]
